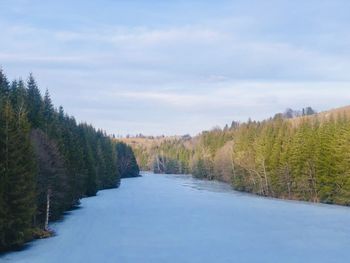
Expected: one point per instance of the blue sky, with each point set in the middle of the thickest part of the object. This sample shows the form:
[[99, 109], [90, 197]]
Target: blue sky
[[177, 67]]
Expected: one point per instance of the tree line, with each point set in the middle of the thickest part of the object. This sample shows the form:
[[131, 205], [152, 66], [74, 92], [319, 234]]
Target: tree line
[[297, 155], [48, 162]]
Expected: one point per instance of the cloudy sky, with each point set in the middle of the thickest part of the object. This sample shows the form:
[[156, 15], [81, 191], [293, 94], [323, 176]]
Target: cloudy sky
[[181, 66]]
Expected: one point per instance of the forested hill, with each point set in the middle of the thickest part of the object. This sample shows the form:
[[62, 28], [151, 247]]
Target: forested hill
[[48, 162], [294, 155]]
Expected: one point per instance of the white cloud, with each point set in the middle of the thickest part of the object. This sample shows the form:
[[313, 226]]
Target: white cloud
[[11, 57], [208, 71], [262, 96], [197, 50]]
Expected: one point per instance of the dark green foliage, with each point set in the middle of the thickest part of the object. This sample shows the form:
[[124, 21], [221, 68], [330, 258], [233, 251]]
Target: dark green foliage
[[17, 182], [127, 165], [45, 153], [35, 103], [4, 88]]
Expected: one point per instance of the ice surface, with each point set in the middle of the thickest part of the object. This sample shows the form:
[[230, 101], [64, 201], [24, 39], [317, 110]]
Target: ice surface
[[162, 218]]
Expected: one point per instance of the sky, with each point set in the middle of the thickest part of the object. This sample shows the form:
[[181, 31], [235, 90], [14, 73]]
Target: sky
[[179, 67]]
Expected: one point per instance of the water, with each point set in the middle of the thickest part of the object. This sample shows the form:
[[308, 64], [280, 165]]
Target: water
[[167, 218]]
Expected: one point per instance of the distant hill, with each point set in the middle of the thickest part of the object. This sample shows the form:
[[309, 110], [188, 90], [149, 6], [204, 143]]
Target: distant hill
[[324, 115]]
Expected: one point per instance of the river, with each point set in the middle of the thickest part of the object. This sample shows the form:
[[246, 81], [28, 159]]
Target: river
[[168, 218]]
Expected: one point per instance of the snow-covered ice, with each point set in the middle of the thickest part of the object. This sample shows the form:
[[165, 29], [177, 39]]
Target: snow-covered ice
[[162, 218]]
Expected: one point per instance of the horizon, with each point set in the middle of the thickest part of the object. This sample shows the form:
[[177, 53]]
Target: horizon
[[130, 67]]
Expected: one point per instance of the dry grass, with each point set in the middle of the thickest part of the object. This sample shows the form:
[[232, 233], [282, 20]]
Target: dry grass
[[322, 116]]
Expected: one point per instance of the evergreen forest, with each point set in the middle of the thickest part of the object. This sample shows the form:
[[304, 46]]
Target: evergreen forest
[[48, 162], [299, 155]]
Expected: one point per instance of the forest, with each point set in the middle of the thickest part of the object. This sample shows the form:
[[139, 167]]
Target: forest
[[299, 155], [48, 162]]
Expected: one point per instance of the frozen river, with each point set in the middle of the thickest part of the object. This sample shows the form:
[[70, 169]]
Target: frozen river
[[164, 218]]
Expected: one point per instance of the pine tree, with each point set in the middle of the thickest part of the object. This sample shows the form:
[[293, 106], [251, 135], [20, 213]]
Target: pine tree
[[35, 104], [4, 90], [127, 165], [4, 85], [3, 181], [48, 112], [19, 179], [325, 161], [341, 144]]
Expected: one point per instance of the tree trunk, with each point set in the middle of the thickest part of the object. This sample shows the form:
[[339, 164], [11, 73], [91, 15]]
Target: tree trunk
[[158, 166], [265, 177], [48, 195]]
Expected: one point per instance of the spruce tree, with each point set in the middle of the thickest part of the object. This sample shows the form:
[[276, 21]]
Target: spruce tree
[[127, 165], [35, 104], [3, 180], [4, 85], [19, 179]]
